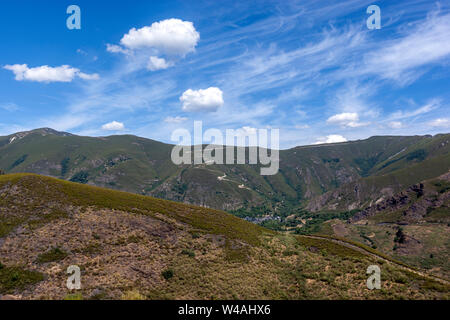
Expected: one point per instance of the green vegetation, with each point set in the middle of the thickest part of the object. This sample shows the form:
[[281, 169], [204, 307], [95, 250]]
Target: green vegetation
[[167, 274], [74, 296], [316, 223], [400, 236], [18, 161], [442, 186], [9, 223], [16, 278], [329, 247], [418, 155], [189, 253], [64, 166], [365, 165], [54, 254], [80, 177]]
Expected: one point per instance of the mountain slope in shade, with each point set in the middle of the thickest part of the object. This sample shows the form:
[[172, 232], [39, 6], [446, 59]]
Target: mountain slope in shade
[[340, 176], [135, 247]]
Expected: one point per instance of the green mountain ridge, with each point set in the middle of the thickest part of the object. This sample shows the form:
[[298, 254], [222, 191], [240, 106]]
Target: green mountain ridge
[[316, 178]]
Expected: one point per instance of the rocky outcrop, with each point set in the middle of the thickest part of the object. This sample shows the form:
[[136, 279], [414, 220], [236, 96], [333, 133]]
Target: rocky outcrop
[[414, 203]]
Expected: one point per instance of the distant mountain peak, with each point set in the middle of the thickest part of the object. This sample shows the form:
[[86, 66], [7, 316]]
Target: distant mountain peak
[[48, 131], [41, 131]]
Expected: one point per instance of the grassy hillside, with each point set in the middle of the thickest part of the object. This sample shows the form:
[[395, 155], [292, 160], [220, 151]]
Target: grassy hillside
[[135, 247]]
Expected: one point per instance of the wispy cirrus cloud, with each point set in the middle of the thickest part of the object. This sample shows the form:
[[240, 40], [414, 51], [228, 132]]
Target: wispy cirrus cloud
[[176, 119], [10, 107], [440, 122], [403, 59], [405, 114]]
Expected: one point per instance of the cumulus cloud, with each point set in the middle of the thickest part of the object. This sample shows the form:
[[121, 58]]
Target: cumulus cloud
[[202, 100], [175, 119], [333, 138], [346, 119], [164, 42], [171, 37], [47, 74], [155, 63], [440, 122], [113, 126]]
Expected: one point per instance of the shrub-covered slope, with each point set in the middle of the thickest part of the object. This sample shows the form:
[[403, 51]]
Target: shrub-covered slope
[[136, 247]]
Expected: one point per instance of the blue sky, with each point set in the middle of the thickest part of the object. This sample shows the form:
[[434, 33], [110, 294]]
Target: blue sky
[[310, 68]]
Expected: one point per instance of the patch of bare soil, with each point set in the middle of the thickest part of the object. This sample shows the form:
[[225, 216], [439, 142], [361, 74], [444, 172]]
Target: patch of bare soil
[[409, 246], [340, 230]]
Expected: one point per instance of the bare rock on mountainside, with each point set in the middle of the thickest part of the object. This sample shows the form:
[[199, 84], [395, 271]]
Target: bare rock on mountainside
[[414, 203]]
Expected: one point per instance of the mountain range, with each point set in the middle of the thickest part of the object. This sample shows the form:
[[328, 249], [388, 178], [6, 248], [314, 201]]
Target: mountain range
[[328, 177]]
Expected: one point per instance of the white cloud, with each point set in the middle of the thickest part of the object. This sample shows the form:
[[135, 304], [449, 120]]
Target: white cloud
[[202, 100], [175, 119], [86, 76], [155, 63], [430, 106], [440, 122], [346, 119], [302, 126], [246, 130], [47, 74], [113, 48], [333, 138], [113, 126], [428, 43], [395, 124], [171, 37], [9, 107]]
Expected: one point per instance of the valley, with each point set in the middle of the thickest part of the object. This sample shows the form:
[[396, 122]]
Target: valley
[[389, 194]]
